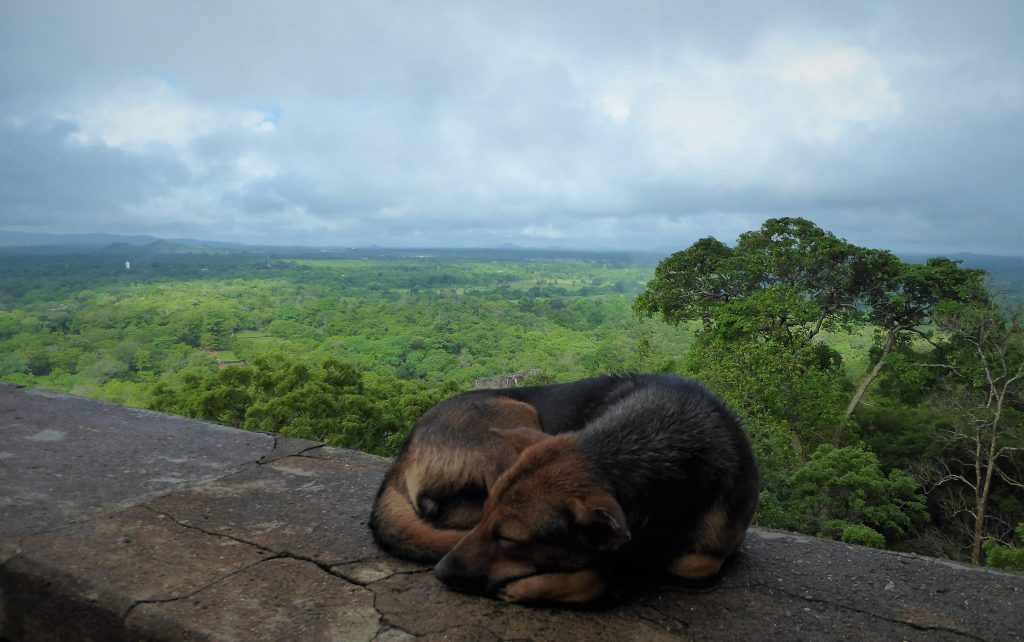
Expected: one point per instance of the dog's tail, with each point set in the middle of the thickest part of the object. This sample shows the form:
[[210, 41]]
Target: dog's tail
[[399, 529], [460, 447]]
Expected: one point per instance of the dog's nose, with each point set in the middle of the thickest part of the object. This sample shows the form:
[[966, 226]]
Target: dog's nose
[[454, 573]]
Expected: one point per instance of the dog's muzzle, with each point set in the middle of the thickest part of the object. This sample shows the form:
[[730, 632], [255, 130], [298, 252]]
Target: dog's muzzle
[[454, 573]]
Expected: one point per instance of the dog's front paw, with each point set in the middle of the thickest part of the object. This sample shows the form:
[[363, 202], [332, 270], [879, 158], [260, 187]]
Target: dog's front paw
[[578, 587]]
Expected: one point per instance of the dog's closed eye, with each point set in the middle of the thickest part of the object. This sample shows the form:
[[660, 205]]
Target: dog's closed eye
[[506, 537]]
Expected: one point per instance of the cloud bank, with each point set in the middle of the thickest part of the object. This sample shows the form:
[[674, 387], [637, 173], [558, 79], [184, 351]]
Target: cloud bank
[[646, 126]]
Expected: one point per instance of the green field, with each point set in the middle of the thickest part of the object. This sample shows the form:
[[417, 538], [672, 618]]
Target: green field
[[84, 326]]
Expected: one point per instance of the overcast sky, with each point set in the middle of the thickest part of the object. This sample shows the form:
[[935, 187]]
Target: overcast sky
[[631, 125]]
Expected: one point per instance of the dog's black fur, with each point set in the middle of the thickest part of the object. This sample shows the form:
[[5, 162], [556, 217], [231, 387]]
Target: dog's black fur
[[670, 450], [662, 476]]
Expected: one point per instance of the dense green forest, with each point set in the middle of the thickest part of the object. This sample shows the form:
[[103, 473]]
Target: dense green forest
[[883, 396]]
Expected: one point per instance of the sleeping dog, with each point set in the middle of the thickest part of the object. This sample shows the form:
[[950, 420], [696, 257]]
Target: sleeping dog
[[435, 490], [655, 473]]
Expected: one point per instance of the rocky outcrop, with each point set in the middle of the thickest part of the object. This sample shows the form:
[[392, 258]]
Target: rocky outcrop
[[504, 381]]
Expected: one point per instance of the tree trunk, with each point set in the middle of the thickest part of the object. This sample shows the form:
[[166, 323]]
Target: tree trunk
[[862, 389], [982, 499], [865, 384]]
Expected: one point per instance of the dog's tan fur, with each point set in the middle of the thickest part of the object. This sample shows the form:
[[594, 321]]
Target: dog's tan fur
[[456, 445]]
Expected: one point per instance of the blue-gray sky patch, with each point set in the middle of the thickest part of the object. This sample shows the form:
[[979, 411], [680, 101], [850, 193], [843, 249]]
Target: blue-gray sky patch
[[575, 124]]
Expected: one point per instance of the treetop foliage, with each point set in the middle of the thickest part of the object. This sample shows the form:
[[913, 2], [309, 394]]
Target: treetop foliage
[[791, 275]]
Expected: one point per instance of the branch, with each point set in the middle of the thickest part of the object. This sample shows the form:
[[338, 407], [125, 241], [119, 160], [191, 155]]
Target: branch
[[947, 476], [924, 336], [1008, 480]]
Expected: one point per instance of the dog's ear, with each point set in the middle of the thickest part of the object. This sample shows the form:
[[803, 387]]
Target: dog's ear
[[513, 441], [601, 522]]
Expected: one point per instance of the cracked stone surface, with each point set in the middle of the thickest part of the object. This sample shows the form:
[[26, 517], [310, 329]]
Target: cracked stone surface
[[100, 569], [294, 600], [66, 458], [309, 507], [264, 539]]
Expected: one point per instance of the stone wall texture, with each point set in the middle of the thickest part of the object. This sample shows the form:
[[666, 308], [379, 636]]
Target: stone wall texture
[[121, 524]]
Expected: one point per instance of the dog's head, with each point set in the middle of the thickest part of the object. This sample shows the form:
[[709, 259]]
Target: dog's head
[[546, 515]]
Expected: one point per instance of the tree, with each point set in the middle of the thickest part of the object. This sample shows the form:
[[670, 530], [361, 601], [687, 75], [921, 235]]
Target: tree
[[9, 325], [1006, 557], [984, 387], [778, 389], [841, 493], [789, 278], [762, 306], [322, 399], [901, 299]]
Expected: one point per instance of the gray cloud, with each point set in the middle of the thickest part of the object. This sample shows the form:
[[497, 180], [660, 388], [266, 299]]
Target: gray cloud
[[577, 124]]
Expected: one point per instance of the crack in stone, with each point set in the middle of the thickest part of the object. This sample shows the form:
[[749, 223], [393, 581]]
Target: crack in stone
[[265, 458], [914, 625], [369, 585], [178, 598], [385, 623], [213, 533], [275, 554], [272, 555], [302, 453], [269, 459], [685, 626], [324, 566]]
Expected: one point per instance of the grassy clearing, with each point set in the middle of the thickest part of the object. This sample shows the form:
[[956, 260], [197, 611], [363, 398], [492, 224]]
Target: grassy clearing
[[855, 347]]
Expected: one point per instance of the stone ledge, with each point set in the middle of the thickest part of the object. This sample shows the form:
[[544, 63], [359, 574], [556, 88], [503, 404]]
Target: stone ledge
[[120, 524]]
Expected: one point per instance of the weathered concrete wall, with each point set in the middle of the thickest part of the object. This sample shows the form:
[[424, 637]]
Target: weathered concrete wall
[[119, 524]]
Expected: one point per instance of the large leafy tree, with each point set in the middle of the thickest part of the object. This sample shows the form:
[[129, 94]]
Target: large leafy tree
[[901, 299], [762, 305], [787, 280]]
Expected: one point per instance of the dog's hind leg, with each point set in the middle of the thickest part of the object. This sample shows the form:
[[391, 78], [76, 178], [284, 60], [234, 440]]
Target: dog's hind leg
[[578, 587], [717, 538], [696, 566]]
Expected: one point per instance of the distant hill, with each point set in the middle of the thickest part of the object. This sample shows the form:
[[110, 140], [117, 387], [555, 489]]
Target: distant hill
[[91, 242], [23, 243], [159, 248], [31, 239], [134, 245], [969, 259], [1003, 268], [1005, 273]]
